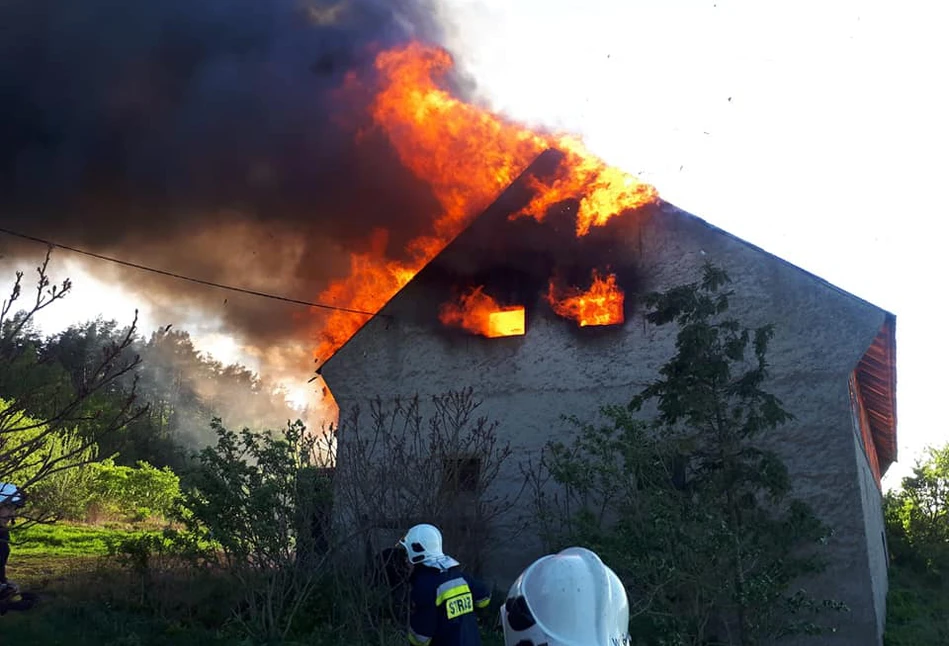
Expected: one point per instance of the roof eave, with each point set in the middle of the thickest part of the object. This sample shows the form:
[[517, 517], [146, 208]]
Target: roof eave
[[876, 374]]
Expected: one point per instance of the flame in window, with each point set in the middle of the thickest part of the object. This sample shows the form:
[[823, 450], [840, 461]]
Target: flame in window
[[477, 312], [601, 304]]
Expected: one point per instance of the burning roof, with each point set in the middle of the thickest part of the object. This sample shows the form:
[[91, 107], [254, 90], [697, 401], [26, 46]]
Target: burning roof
[[468, 155], [509, 264], [558, 237]]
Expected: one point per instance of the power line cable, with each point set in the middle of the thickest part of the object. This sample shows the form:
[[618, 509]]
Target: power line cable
[[199, 281]]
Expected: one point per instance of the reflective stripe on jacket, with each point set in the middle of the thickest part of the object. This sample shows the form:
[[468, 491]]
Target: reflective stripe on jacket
[[443, 605]]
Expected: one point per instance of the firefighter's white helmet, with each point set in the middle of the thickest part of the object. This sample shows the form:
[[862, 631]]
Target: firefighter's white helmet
[[422, 543], [567, 599]]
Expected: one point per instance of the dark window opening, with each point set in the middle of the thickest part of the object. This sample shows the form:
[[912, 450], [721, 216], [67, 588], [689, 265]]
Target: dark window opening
[[461, 474]]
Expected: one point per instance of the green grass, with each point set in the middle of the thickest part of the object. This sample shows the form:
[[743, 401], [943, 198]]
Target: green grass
[[85, 599], [65, 540], [917, 608]]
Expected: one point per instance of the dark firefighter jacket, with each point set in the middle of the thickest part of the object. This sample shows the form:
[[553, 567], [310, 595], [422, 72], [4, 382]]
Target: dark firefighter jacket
[[443, 605], [4, 553]]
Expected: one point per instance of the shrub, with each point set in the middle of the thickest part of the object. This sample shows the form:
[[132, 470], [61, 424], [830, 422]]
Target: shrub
[[255, 517], [131, 493], [247, 496]]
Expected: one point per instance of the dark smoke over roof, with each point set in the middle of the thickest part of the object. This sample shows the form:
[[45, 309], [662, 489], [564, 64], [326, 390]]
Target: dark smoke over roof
[[204, 136]]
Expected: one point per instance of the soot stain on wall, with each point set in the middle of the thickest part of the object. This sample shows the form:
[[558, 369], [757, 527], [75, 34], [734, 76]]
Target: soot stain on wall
[[516, 262]]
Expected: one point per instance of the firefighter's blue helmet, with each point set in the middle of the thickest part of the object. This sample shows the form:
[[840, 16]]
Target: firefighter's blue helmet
[[10, 494]]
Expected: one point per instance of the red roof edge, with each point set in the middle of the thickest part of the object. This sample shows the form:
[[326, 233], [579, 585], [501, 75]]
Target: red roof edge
[[876, 378]]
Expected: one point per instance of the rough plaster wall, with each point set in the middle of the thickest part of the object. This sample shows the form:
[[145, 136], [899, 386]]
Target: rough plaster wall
[[872, 500], [820, 336], [528, 382]]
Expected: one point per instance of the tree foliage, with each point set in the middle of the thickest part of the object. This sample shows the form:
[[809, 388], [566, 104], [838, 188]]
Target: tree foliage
[[130, 493], [60, 492], [918, 514], [917, 527], [52, 419], [676, 491], [137, 398]]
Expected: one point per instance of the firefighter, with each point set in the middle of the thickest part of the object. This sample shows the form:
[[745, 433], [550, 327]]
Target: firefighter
[[443, 597], [566, 599], [12, 498]]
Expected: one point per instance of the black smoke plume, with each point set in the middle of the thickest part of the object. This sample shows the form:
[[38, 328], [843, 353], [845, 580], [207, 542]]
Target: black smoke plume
[[206, 137]]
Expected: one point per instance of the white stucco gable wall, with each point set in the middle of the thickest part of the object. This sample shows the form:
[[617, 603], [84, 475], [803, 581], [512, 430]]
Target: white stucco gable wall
[[527, 383]]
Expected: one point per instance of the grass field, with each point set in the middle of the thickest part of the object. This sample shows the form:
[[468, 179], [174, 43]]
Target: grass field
[[87, 599], [62, 540], [67, 565]]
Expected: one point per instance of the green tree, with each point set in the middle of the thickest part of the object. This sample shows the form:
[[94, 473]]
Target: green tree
[[917, 527], [137, 399], [696, 516], [185, 389], [53, 408], [60, 492], [918, 514]]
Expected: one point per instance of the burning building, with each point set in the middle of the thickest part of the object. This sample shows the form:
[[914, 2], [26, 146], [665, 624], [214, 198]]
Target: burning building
[[237, 146], [541, 316]]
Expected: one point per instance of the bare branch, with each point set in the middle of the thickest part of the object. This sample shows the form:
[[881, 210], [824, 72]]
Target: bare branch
[[26, 442], [45, 296], [416, 463]]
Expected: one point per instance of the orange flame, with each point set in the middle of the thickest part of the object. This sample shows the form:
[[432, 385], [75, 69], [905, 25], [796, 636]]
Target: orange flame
[[604, 191], [602, 304], [468, 155], [479, 313]]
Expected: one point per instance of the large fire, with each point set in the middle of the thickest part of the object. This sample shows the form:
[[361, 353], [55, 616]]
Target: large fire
[[477, 312], [604, 191], [602, 304], [468, 155]]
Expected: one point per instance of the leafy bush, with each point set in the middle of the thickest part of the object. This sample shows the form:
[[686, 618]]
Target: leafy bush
[[917, 609], [132, 493], [100, 491], [83, 489], [247, 497]]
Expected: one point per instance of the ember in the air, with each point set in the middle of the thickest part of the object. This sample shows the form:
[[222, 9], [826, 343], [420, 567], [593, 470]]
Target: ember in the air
[[468, 155], [478, 313], [602, 304]]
